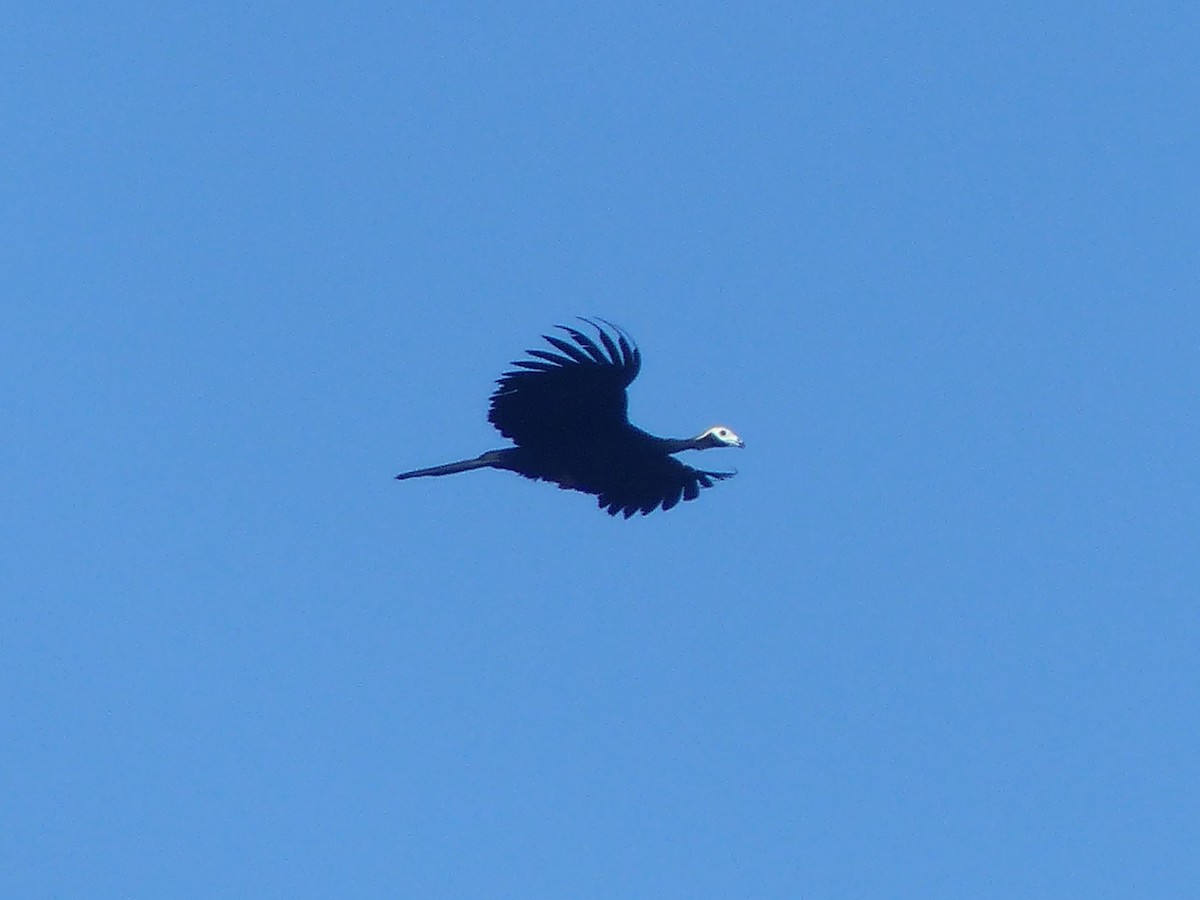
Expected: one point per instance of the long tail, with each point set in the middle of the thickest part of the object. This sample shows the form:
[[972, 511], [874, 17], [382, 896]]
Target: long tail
[[485, 461]]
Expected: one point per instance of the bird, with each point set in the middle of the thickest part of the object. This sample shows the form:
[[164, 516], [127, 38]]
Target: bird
[[565, 411]]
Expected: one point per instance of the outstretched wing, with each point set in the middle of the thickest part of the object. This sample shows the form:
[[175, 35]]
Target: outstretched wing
[[662, 482], [569, 397]]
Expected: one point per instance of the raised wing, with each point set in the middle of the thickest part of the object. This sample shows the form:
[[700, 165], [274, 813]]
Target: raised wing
[[570, 397]]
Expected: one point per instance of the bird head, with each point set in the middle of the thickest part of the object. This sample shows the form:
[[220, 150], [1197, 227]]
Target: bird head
[[718, 436]]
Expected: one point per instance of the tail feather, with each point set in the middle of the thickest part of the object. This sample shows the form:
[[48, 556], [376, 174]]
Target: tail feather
[[479, 462]]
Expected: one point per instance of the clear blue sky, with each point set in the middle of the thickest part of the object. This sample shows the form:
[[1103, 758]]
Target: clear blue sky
[[936, 263]]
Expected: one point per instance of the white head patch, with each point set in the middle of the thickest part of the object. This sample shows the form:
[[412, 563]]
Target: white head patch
[[723, 436]]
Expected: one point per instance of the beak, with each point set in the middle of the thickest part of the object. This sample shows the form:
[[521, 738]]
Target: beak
[[741, 443]]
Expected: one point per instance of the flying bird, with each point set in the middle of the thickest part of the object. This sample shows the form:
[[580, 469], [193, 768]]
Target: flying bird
[[565, 412]]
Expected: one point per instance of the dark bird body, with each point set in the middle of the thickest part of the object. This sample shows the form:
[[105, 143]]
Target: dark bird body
[[565, 411]]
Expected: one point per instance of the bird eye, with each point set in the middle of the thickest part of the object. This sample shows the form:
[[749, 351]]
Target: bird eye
[[722, 432]]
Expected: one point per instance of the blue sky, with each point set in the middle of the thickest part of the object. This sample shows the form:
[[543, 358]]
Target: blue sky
[[936, 263]]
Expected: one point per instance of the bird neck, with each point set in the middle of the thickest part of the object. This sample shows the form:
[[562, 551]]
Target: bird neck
[[675, 445]]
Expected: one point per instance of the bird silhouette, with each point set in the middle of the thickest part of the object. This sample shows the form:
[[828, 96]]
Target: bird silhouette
[[565, 411]]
